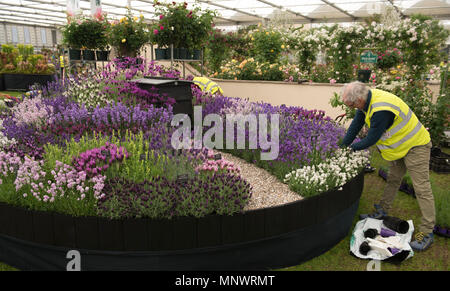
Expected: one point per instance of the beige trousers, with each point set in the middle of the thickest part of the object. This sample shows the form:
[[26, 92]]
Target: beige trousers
[[417, 162]]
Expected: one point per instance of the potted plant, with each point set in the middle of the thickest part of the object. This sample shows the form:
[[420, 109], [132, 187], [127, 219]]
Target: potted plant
[[128, 35], [162, 37], [72, 37], [93, 33], [185, 29]]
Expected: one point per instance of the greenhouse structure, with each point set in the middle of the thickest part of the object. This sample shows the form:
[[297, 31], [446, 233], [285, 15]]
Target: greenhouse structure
[[224, 135]]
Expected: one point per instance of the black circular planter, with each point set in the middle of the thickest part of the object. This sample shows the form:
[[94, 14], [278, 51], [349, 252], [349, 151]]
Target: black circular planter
[[259, 239]]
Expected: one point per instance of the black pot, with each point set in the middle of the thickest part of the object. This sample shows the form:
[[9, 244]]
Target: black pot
[[160, 54], [182, 53], [88, 55], [364, 75], [197, 55], [102, 55], [176, 53], [2, 85], [74, 54], [189, 55]]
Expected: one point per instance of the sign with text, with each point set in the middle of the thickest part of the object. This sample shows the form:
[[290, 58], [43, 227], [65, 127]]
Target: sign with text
[[368, 57]]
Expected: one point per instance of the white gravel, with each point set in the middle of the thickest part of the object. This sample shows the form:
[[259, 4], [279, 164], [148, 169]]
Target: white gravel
[[267, 191]]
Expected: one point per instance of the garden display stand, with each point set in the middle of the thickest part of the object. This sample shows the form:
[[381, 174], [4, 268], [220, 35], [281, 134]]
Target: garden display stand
[[87, 58], [258, 239], [175, 58]]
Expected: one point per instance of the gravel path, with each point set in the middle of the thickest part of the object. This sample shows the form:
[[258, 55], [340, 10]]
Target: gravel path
[[268, 191]]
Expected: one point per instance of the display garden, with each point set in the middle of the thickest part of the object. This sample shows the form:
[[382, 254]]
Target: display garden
[[99, 146], [88, 160]]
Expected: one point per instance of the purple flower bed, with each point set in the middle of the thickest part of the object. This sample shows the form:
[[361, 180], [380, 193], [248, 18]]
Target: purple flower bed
[[162, 198], [138, 174]]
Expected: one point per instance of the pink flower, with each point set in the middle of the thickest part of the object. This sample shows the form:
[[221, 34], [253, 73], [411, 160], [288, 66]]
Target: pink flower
[[332, 81], [155, 31], [161, 17], [161, 27]]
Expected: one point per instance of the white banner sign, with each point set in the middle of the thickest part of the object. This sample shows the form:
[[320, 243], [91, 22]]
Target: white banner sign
[[73, 7], [96, 7]]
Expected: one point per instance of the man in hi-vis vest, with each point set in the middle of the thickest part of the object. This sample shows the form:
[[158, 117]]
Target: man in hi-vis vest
[[403, 141], [207, 86]]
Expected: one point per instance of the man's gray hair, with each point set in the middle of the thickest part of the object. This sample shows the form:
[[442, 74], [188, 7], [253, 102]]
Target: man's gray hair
[[354, 91]]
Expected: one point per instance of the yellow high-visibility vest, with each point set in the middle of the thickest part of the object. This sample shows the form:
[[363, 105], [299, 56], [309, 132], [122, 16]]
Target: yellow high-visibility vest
[[61, 61], [406, 131], [207, 86]]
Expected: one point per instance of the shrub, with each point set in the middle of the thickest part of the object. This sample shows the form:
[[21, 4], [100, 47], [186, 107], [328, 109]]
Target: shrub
[[267, 45]]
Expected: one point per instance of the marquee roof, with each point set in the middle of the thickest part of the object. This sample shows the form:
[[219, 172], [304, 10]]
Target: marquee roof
[[230, 12]]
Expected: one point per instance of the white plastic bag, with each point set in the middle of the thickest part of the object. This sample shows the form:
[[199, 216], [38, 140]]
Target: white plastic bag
[[400, 241]]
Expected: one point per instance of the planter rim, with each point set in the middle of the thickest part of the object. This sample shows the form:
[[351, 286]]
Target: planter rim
[[28, 74]]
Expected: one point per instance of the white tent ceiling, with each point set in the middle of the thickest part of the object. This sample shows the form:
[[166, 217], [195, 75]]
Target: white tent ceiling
[[230, 12]]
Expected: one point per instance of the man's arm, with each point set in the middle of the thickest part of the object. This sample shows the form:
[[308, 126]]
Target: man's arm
[[355, 127], [379, 123]]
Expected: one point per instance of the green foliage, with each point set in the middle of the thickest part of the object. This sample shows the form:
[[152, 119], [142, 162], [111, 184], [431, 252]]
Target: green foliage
[[336, 101], [7, 48], [389, 59], [93, 33], [267, 45], [442, 203], [180, 26], [25, 50], [128, 35], [432, 115], [422, 43], [20, 60], [71, 34], [218, 49], [343, 51]]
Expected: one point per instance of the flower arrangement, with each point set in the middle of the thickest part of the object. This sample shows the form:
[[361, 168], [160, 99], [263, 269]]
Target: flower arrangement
[[93, 32], [31, 112], [88, 161], [389, 59], [128, 35], [330, 174], [180, 26]]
